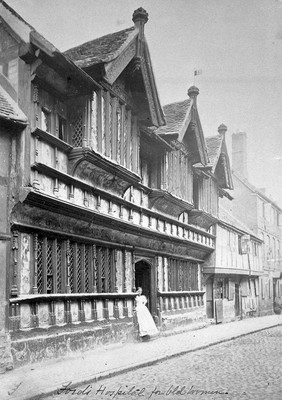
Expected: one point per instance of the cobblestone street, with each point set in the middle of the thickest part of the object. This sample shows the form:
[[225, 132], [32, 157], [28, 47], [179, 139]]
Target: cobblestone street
[[245, 368]]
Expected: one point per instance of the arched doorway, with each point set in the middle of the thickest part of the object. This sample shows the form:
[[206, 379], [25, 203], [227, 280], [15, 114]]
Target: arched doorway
[[143, 273]]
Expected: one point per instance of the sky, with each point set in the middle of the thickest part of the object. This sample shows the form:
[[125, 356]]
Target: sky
[[236, 43]]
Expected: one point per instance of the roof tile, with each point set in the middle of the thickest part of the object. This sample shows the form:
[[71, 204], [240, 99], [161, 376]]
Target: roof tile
[[9, 109], [175, 114], [103, 49], [214, 146]]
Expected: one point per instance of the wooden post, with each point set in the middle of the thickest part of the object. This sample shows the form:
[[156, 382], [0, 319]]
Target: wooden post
[[99, 122], [15, 249], [35, 247]]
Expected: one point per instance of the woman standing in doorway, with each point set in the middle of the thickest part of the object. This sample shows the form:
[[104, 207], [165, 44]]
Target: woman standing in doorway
[[145, 320]]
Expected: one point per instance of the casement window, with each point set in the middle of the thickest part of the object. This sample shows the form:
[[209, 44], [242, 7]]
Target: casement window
[[182, 275], [240, 245], [45, 119], [77, 129], [62, 128], [62, 266], [10, 70]]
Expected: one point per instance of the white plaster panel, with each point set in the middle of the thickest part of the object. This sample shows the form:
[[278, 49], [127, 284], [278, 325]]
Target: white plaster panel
[[62, 164], [78, 196], [63, 191], [160, 273], [74, 311], [128, 271], [87, 310], [145, 221], [115, 210], [111, 308], [46, 184], [25, 316], [60, 312], [104, 206], [125, 213], [43, 314], [120, 308], [46, 154], [119, 271], [99, 309], [91, 202], [130, 308], [136, 217], [25, 266]]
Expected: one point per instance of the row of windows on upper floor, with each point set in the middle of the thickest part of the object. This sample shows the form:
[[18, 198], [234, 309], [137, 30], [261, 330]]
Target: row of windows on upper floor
[[268, 213], [107, 125]]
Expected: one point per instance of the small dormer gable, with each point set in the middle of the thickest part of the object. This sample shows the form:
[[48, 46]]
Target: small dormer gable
[[219, 159], [183, 124]]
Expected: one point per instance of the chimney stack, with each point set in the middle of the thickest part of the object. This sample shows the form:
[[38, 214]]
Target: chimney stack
[[239, 154]]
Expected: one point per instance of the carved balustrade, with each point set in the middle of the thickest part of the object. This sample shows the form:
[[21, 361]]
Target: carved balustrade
[[46, 310], [175, 301]]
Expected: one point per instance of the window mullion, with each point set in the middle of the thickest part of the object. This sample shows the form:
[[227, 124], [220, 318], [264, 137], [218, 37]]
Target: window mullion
[[44, 265], [75, 267]]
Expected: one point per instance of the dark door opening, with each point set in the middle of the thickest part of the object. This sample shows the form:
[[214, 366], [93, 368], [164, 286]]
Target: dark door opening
[[209, 298], [237, 300], [143, 279]]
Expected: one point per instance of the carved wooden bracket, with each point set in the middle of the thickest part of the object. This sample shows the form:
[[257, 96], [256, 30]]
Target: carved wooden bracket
[[99, 172], [167, 203], [202, 219]]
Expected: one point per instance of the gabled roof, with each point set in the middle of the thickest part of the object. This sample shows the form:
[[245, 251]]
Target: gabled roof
[[229, 219], [105, 58], [177, 116], [214, 145], [183, 123], [9, 109], [219, 159], [101, 50]]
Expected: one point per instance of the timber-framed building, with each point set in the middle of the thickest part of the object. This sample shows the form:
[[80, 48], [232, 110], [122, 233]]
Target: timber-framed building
[[106, 191]]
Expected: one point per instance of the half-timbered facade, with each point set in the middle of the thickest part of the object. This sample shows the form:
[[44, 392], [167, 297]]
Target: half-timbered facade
[[105, 196], [233, 271]]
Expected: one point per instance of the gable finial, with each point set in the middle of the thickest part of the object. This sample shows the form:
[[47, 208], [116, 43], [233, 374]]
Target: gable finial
[[140, 16], [222, 129], [193, 92]]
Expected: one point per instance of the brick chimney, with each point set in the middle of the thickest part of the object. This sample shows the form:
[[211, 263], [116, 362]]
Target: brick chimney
[[239, 154]]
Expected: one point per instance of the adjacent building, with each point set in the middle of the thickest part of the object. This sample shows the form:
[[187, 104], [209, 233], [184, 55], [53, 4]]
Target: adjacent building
[[262, 216]]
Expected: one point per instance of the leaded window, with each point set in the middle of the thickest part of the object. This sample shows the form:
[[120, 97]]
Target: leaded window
[[62, 266], [182, 275]]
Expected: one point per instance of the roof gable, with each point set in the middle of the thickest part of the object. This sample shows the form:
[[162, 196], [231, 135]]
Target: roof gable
[[219, 159], [107, 57], [9, 109], [19, 26], [183, 123], [101, 50]]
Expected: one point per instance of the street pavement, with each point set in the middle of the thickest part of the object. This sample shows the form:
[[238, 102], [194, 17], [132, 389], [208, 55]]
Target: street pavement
[[248, 367], [36, 381]]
